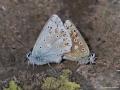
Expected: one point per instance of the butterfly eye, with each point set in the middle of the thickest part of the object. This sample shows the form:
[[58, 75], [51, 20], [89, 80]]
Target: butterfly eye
[[28, 54]]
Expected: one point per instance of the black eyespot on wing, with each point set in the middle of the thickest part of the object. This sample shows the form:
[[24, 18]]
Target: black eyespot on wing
[[80, 43], [67, 43], [67, 27], [40, 47], [50, 27], [75, 40], [83, 49]]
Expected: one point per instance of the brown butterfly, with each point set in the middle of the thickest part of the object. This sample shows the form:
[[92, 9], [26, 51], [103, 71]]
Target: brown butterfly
[[79, 51]]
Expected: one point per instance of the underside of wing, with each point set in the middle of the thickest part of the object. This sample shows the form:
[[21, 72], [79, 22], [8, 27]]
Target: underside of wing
[[79, 46], [53, 41]]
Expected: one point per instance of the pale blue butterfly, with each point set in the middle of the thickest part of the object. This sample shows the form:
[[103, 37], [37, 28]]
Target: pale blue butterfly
[[53, 41], [80, 51]]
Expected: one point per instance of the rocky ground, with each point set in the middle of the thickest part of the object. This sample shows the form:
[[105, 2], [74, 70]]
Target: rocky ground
[[99, 22]]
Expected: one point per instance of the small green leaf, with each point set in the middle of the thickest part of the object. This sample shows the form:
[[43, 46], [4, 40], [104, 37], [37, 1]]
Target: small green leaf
[[60, 83], [12, 86]]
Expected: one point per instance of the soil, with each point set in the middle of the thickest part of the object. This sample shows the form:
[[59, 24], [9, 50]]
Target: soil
[[99, 22]]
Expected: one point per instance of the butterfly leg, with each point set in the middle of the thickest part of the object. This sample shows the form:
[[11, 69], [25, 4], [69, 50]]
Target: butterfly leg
[[33, 66], [52, 68]]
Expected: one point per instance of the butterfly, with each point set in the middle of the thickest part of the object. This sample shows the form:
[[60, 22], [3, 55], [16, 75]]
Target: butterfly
[[80, 51], [53, 41]]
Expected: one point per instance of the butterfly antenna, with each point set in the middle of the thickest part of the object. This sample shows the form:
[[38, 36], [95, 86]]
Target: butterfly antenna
[[52, 68], [28, 63], [33, 66]]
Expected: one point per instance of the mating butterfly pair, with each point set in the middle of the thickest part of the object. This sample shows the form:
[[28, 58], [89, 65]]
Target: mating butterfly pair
[[59, 41]]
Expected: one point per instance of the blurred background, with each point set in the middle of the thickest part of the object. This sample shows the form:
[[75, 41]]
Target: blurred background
[[98, 21]]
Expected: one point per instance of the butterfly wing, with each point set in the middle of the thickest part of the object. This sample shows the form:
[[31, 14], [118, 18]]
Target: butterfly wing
[[79, 46], [53, 41]]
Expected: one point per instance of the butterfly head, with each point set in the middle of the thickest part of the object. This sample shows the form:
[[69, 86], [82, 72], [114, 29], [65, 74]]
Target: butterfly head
[[29, 56], [92, 58]]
